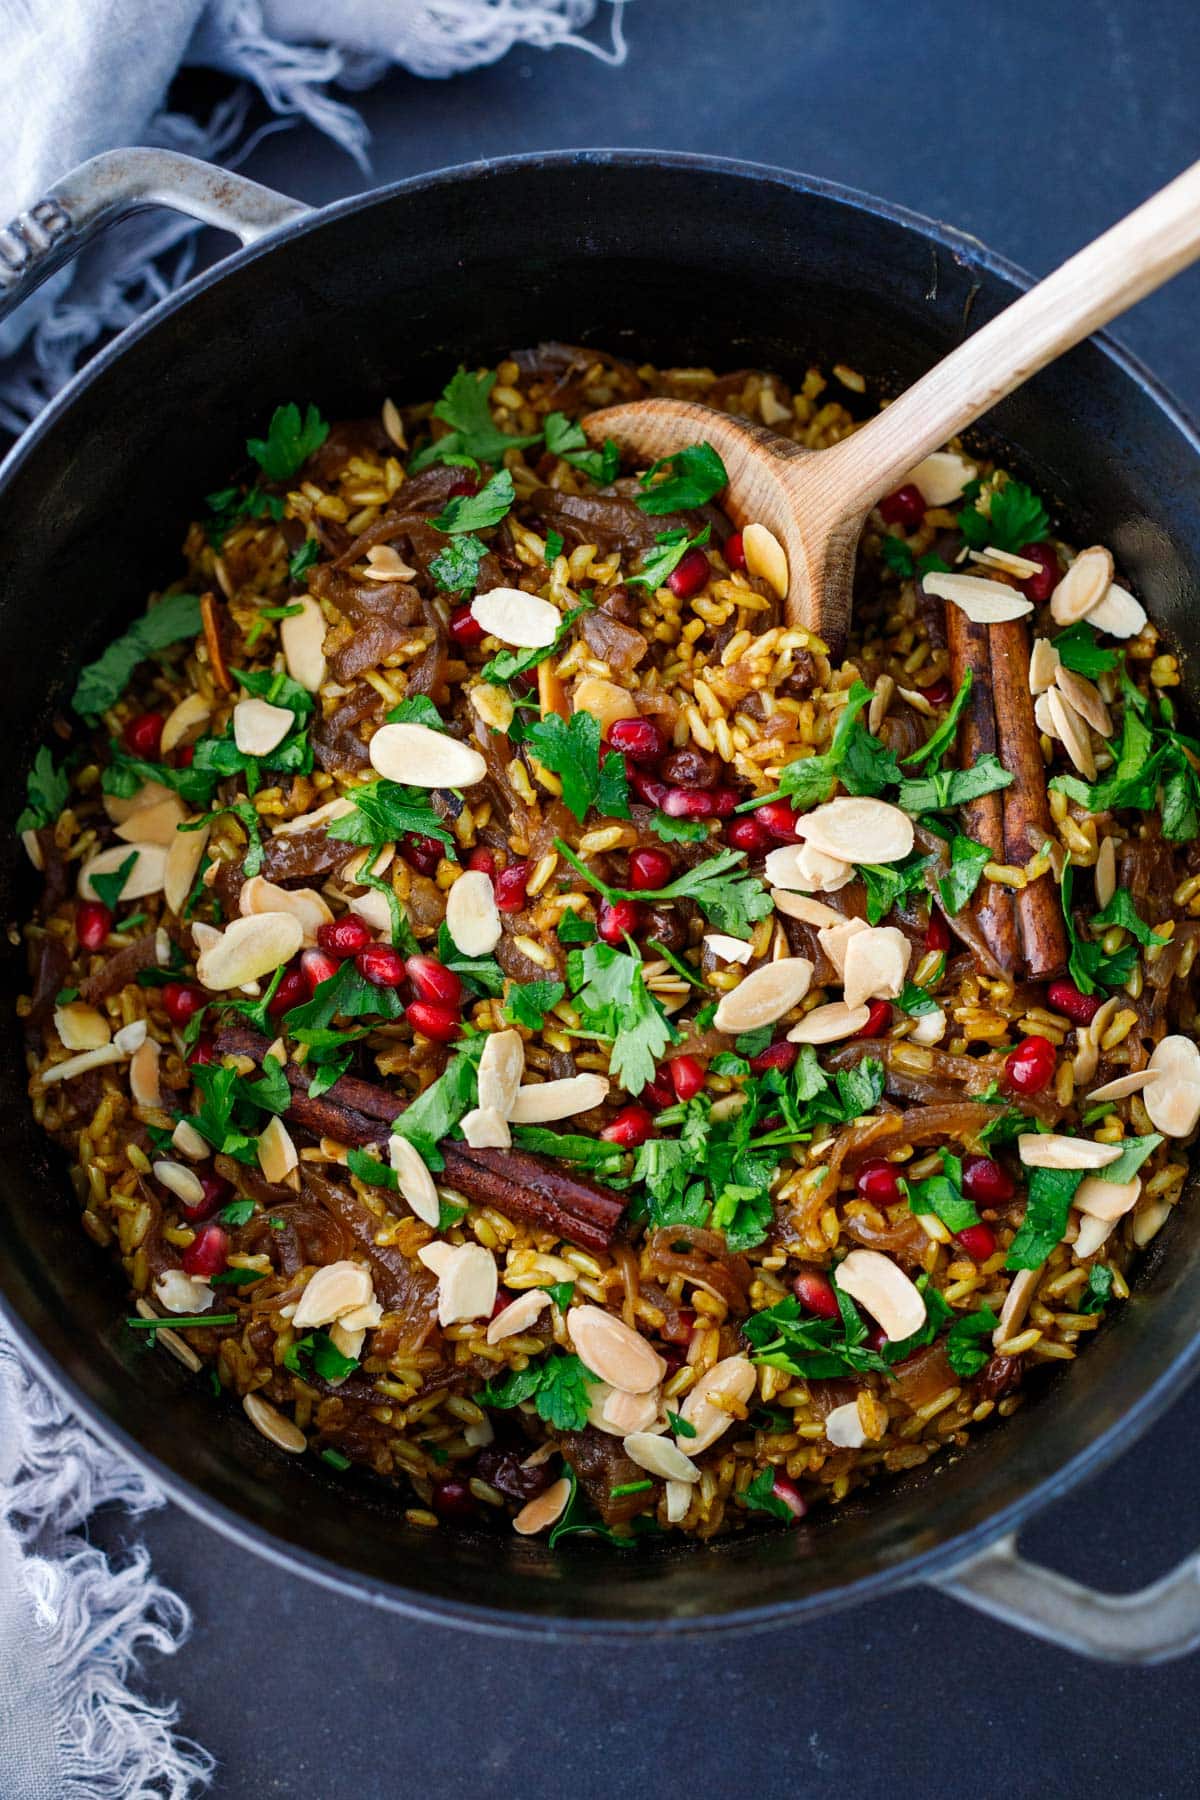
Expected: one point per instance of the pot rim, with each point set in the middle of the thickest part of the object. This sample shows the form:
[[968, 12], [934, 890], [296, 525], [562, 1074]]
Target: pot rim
[[237, 1526]]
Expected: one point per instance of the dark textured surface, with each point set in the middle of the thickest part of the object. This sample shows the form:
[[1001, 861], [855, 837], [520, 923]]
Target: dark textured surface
[[1032, 126]]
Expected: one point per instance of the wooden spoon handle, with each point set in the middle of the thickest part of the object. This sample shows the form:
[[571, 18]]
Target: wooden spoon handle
[[1097, 284]]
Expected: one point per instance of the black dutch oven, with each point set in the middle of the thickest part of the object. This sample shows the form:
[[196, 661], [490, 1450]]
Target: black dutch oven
[[680, 260]]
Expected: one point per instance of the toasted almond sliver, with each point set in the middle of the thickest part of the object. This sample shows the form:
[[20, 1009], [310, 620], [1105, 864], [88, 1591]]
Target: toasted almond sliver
[[518, 1315], [373, 909], [614, 1351], [729, 949], [1173, 1103], [419, 756], [155, 824], [182, 1293], [185, 722], [604, 700], [833, 940], [765, 995], [472, 916], [1083, 586], [544, 1509], [302, 639], [941, 478], [1118, 613], [1012, 564], [1016, 1304], [1109, 1200], [516, 617], [501, 1067], [733, 1381], [436, 1256], [804, 907], [486, 1129], [540, 1103], [1072, 732], [826, 1024], [876, 964], [804, 868], [1054, 1150], [259, 895], [679, 1498], [880, 1285], [248, 948], [320, 815], [929, 1028], [1105, 872], [984, 602], [1124, 1085], [416, 1183], [659, 1456], [467, 1285], [857, 829], [144, 1085], [259, 727], [179, 1180], [131, 1037], [119, 807], [1086, 698], [79, 1065], [618, 1414], [1091, 1234], [184, 856], [338, 1288], [81, 1027], [765, 557], [384, 563], [145, 877], [189, 1143], [1044, 719], [843, 1427], [1044, 664], [271, 1423], [277, 1154]]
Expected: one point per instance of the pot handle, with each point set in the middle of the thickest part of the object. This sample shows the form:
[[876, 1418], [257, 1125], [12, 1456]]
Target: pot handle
[[116, 183], [1154, 1625]]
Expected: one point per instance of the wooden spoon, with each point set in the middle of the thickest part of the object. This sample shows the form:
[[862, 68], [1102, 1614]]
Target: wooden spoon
[[814, 502]]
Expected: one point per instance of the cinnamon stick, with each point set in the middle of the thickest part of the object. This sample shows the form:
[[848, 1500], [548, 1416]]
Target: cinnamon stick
[[992, 905], [517, 1182], [1026, 803]]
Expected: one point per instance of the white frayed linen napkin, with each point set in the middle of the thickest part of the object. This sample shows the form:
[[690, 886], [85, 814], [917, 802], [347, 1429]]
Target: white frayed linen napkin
[[78, 77]]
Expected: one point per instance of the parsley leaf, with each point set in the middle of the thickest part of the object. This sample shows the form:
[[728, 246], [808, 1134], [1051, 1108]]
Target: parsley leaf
[[942, 1195], [730, 897], [760, 1496], [571, 750], [238, 1212], [1017, 516], [953, 787], [568, 1146], [346, 995], [457, 566], [696, 475], [1047, 1210], [678, 831], [474, 512], [289, 442], [303, 560], [558, 1385], [319, 1351], [967, 863], [109, 887], [434, 1114], [569, 441], [1133, 778], [226, 1118], [1122, 911], [965, 1352], [889, 883], [1099, 1289], [372, 1169], [508, 664], [811, 1349], [1134, 1152], [464, 407], [942, 739], [658, 564], [1079, 649], [384, 811], [528, 1005], [613, 1000], [1089, 964], [46, 792], [102, 682], [808, 781], [482, 974]]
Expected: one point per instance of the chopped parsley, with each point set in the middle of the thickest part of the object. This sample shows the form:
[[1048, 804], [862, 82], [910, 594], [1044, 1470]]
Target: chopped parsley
[[289, 442], [474, 512], [568, 441], [299, 564], [238, 1212], [464, 407], [941, 740], [570, 749], [101, 683], [435, 1112], [678, 831], [557, 1384], [613, 1000], [1016, 516], [345, 995], [1079, 649], [728, 896], [760, 1496], [110, 887], [568, 1146], [372, 1170], [969, 1341], [457, 566], [508, 664], [319, 1351], [968, 860], [528, 1005], [1090, 965], [229, 1108], [482, 974], [953, 787], [386, 810], [1099, 1289], [554, 546], [694, 475], [811, 1349], [1048, 1206], [888, 884], [942, 1196], [658, 564], [46, 793]]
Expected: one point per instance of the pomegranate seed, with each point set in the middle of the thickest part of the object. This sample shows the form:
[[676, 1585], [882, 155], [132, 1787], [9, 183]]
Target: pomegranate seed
[[452, 1499], [687, 1076], [648, 788], [207, 1253], [659, 1093], [292, 991], [93, 923], [465, 629], [876, 1181], [436, 1022], [879, 1017], [689, 574], [181, 1001], [433, 981], [747, 834], [877, 1340], [938, 692], [1030, 1067], [503, 1299], [779, 819], [484, 861], [906, 507], [318, 966], [735, 551], [510, 887], [343, 937], [216, 1192], [185, 756], [979, 1241], [986, 1181], [814, 1290], [689, 803], [1039, 587], [380, 965], [776, 1056], [784, 1488], [1065, 997], [616, 918], [682, 1329], [724, 801], [466, 484], [641, 740], [202, 1051], [631, 1127], [649, 869], [424, 853], [143, 735], [937, 932]]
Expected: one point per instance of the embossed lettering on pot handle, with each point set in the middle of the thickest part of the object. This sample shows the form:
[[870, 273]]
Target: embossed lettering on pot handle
[[52, 230], [1153, 1625]]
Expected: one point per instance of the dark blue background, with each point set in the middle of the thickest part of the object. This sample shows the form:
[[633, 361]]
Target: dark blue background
[[1032, 124]]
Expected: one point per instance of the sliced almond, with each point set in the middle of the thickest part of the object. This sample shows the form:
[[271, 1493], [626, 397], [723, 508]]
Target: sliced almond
[[540, 1103], [604, 700], [805, 908], [184, 856], [766, 558], [384, 563], [259, 895], [614, 1351], [419, 756], [1109, 1200], [984, 602], [189, 1143], [659, 1456], [1118, 613], [81, 1027], [1150, 1221], [1105, 872], [804, 868], [518, 1315], [277, 1154], [729, 949], [843, 1427], [33, 849], [1054, 1150], [79, 1065], [416, 1183], [436, 1256], [1072, 732], [131, 1037], [501, 1067], [1124, 1085], [1173, 1103], [716, 1402], [1012, 564], [145, 877], [1086, 698], [259, 727], [1016, 1305], [941, 478], [144, 1085], [929, 1028], [302, 639], [335, 1290], [618, 1414], [248, 948], [544, 1510], [516, 617], [1044, 719], [350, 1344], [857, 829], [827, 1024], [833, 940], [268, 1420], [373, 909], [179, 1180], [155, 824], [182, 1293], [765, 995], [472, 916], [1083, 586], [185, 722], [679, 1499], [882, 1287], [312, 821], [486, 1129], [119, 807], [1091, 1234], [876, 964], [467, 1285], [1044, 664]]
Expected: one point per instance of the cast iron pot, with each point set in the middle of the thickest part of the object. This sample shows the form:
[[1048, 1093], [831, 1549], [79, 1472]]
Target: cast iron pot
[[678, 259]]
